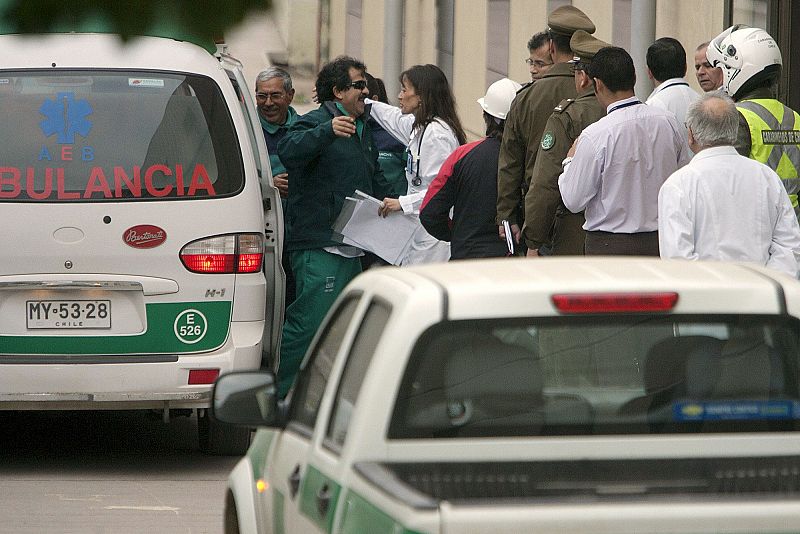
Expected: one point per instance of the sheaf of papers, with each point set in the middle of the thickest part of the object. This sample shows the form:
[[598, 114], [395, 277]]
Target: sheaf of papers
[[359, 224]]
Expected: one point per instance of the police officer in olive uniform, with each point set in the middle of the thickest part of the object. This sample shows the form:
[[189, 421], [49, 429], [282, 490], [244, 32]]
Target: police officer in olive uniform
[[529, 113], [547, 222]]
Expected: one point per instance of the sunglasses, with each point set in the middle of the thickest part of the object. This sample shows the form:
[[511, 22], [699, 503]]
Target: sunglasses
[[360, 85]]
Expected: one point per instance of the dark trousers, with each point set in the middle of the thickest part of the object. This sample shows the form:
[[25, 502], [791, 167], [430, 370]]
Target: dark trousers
[[569, 237], [611, 244]]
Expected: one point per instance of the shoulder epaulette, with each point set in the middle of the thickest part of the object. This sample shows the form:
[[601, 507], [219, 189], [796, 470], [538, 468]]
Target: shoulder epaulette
[[564, 104]]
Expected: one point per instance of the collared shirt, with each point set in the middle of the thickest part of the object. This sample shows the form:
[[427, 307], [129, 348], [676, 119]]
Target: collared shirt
[[619, 165], [724, 206], [676, 96], [272, 128]]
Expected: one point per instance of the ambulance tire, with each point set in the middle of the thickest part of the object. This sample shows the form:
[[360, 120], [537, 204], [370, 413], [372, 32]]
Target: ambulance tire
[[221, 439]]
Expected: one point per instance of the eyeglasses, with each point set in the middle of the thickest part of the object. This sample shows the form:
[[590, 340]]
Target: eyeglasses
[[358, 84], [261, 97], [538, 63]]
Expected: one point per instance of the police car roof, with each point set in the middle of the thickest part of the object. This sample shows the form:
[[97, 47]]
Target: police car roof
[[96, 50], [524, 287]]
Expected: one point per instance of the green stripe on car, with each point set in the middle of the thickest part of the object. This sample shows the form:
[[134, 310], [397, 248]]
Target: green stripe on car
[[362, 516], [359, 515], [259, 448], [178, 327], [313, 488]]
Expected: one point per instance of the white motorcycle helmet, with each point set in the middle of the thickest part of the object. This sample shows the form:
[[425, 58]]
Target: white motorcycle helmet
[[749, 57], [498, 98]]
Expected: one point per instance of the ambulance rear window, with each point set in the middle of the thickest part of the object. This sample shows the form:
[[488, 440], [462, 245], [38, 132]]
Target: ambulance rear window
[[87, 136]]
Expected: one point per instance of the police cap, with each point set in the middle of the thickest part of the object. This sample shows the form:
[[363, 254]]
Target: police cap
[[566, 20], [585, 46]]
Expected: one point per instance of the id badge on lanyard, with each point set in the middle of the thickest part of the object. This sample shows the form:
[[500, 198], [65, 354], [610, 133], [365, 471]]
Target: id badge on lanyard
[[412, 161], [412, 168]]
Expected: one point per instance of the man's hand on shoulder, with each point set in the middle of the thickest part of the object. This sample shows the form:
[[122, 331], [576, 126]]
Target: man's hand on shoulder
[[343, 126]]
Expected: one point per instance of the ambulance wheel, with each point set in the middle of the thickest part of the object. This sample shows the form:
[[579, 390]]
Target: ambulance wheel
[[221, 439]]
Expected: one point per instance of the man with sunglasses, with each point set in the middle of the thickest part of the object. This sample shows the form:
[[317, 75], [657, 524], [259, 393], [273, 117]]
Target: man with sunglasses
[[548, 223], [329, 153]]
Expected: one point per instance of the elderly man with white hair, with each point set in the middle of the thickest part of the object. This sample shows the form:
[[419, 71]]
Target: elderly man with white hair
[[722, 205]]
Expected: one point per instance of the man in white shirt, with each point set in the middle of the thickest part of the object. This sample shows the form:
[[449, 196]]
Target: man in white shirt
[[666, 66], [709, 77], [722, 205], [620, 163]]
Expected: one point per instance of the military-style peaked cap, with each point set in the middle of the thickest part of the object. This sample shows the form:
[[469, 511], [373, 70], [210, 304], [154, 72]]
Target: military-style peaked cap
[[585, 46], [567, 20]]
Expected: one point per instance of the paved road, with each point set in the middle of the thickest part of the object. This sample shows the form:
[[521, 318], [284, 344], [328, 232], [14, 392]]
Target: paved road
[[104, 472]]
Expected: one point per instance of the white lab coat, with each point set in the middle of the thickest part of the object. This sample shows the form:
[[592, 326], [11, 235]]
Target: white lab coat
[[676, 96], [724, 206], [438, 142]]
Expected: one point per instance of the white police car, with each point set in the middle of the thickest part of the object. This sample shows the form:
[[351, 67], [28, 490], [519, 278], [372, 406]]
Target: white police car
[[557, 395], [139, 248]]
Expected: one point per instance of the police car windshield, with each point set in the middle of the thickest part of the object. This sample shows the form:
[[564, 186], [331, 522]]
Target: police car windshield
[[627, 374], [82, 136]]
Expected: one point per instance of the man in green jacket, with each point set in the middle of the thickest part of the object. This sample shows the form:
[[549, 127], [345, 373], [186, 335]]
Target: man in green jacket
[[329, 153]]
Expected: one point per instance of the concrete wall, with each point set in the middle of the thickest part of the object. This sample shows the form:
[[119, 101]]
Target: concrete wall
[[689, 21], [602, 14], [338, 28], [372, 30], [469, 64], [302, 34], [419, 32], [526, 18]]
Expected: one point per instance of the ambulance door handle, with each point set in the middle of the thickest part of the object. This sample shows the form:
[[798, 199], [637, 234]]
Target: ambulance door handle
[[294, 481], [323, 500]]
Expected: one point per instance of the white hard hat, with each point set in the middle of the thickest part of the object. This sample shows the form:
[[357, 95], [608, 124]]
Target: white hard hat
[[498, 97], [748, 57]]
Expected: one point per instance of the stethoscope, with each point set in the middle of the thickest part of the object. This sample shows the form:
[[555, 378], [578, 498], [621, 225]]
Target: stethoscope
[[411, 160]]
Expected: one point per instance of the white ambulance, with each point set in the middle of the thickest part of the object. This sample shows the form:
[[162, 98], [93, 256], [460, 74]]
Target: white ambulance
[[141, 233]]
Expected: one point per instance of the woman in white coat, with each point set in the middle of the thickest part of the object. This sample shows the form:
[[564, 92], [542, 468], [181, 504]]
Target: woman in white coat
[[428, 125]]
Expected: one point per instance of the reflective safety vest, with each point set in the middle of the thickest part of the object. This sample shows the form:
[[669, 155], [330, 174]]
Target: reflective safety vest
[[775, 140]]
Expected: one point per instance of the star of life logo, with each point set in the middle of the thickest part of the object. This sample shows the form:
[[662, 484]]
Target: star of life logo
[[66, 117]]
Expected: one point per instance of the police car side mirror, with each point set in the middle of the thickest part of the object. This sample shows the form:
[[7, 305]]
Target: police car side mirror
[[246, 398]]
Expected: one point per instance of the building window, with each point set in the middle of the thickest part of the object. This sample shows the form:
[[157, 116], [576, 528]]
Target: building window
[[445, 30], [754, 13], [352, 44], [497, 40]]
